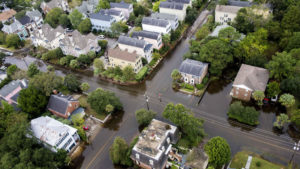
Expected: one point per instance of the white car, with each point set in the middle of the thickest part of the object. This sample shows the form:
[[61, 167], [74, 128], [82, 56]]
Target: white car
[[101, 36], [8, 53]]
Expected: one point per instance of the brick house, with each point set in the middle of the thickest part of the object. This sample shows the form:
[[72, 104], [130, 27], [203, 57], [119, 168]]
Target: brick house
[[248, 80], [11, 91], [62, 105], [193, 71]]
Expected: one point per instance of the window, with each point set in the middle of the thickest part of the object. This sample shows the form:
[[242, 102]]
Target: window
[[192, 81], [186, 79], [137, 156], [246, 94], [163, 148]]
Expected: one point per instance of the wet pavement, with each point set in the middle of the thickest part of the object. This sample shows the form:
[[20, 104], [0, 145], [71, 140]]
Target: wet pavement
[[213, 109]]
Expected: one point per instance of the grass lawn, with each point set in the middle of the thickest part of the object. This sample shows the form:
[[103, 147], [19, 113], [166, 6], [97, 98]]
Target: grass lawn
[[83, 103], [240, 160], [10, 48]]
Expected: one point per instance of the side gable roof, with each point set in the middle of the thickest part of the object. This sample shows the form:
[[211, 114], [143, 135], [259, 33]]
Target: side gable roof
[[146, 34], [7, 14], [171, 5], [60, 103], [132, 41], [155, 22], [122, 55], [13, 85], [120, 5], [192, 67], [100, 16]]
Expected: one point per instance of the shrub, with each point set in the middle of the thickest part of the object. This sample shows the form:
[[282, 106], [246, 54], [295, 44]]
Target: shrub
[[205, 80], [247, 115], [258, 164], [142, 73], [153, 62], [200, 86], [189, 86]]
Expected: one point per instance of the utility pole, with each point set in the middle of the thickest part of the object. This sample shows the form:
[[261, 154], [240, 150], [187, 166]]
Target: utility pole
[[147, 100]]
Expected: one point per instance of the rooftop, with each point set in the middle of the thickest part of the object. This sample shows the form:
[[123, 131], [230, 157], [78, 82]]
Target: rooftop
[[110, 12], [132, 41], [146, 34], [151, 138], [12, 28], [60, 103], [239, 3], [155, 22], [164, 16], [48, 32], [120, 5], [7, 14], [255, 78], [171, 5], [216, 31], [228, 8], [24, 20], [50, 130], [12, 86], [181, 1], [101, 16], [192, 67], [34, 14], [122, 55]]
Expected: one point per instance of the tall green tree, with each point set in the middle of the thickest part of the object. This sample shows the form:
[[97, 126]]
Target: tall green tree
[[84, 86], [103, 4], [176, 75], [287, 100], [293, 42], [281, 120], [291, 85], [243, 114], [144, 116], [72, 83], [118, 152], [273, 89], [229, 34], [291, 18], [98, 66], [13, 40], [218, 151], [64, 21], [75, 18], [128, 73], [53, 17], [11, 70], [32, 70], [46, 82], [85, 26]]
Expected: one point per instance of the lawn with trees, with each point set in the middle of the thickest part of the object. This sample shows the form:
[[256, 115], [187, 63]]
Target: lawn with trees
[[247, 115]]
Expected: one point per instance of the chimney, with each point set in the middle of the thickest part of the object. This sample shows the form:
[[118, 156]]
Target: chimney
[[55, 92]]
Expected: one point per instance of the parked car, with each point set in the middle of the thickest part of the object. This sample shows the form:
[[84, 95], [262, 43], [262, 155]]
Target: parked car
[[85, 128], [101, 36], [8, 53]]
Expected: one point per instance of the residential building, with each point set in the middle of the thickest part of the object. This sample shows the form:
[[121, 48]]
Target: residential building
[[75, 44], [226, 14], [174, 8], [201, 160], [187, 3], [47, 6], [126, 8], [16, 28], [248, 80], [154, 145], [173, 19], [118, 15], [153, 38], [32, 20], [54, 134], [193, 71], [141, 47], [117, 57], [3, 75], [102, 22], [239, 3], [156, 25], [62, 105], [7, 16], [11, 91], [88, 7]]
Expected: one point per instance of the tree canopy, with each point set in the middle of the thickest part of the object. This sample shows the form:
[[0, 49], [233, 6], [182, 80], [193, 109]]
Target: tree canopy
[[53, 17], [85, 26], [46, 82], [75, 18], [72, 83], [243, 114], [144, 116]]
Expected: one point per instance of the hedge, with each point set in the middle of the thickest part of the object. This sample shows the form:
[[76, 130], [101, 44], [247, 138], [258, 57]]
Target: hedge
[[142, 73]]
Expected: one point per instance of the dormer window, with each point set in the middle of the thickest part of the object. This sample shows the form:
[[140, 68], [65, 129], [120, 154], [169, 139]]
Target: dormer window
[[151, 162], [137, 156]]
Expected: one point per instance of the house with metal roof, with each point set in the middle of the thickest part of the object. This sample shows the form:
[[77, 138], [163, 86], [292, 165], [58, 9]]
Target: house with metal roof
[[11, 91], [87, 7], [225, 13], [153, 38], [239, 3], [54, 134], [47, 6], [193, 71], [248, 80], [174, 8], [101, 21], [126, 8], [16, 28], [132, 45], [154, 145], [156, 25], [173, 19], [117, 57], [62, 105], [118, 15]]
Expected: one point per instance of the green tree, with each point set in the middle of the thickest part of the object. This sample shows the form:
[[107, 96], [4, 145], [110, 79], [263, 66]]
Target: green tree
[[98, 66], [291, 85], [176, 75], [74, 64], [218, 151], [118, 27], [2, 37], [85, 26], [293, 42], [295, 117], [166, 39], [118, 152], [223, 2], [75, 18], [64, 21], [281, 120], [287, 100], [109, 108], [20, 14], [229, 34], [191, 15], [11, 70], [281, 66], [258, 96], [144, 116], [191, 127], [99, 99], [84, 59], [13, 40], [32, 70], [32, 101], [103, 4], [53, 17], [46, 82], [202, 32], [273, 89], [243, 114], [103, 44], [155, 7], [84, 87], [128, 73], [72, 83], [291, 18]]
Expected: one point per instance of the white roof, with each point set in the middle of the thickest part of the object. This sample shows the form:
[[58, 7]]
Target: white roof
[[50, 130]]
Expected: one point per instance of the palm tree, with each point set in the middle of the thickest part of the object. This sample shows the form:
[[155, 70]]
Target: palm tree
[[176, 75], [258, 96], [287, 100]]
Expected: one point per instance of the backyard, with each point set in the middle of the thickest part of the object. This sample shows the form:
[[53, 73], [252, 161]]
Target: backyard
[[83, 103]]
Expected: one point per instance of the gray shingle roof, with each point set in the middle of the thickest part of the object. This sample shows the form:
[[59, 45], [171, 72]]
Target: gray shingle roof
[[239, 3], [12, 28], [192, 67], [110, 12], [228, 9], [171, 5], [60, 103], [119, 5], [100, 16], [12, 86], [24, 20], [255, 78], [155, 22], [181, 1], [146, 34], [132, 41], [164, 16]]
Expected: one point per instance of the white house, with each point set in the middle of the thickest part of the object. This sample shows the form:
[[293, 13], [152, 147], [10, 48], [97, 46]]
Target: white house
[[54, 134], [118, 15], [36, 18], [126, 8], [87, 7], [187, 3], [101, 22], [153, 38], [173, 19], [156, 25], [225, 14], [47, 6], [174, 8], [141, 47]]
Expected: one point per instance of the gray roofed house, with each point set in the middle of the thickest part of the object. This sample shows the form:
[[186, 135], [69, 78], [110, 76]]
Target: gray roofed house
[[227, 9], [181, 1], [100, 16], [193, 71], [102, 21], [110, 12], [35, 17], [248, 80], [155, 22], [239, 3], [132, 41], [146, 34], [62, 105], [24, 20], [47, 33], [87, 7], [171, 5], [47, 6], [10, 92], [173, 19], [121, 4], [16, 28], [156, 25]]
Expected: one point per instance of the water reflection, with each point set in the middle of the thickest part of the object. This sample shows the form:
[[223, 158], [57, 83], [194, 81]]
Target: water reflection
[[114, 122]]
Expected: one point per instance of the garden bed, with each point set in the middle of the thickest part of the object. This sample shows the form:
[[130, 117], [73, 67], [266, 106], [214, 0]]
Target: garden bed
[[197, 89]]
